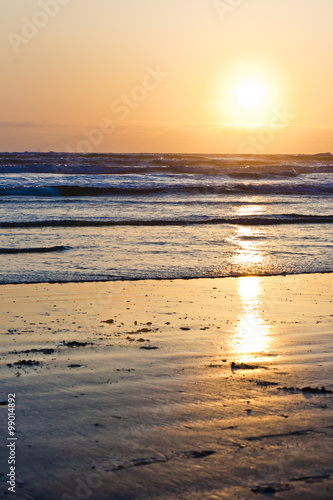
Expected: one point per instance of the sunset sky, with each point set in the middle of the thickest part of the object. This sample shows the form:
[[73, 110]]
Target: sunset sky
[[205, 76]]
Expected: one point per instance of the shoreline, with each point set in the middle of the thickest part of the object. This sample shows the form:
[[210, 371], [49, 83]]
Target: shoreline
[[164, 389], [58, 282]]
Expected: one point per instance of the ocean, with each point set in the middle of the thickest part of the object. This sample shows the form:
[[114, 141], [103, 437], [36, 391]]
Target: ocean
[[98, 217]]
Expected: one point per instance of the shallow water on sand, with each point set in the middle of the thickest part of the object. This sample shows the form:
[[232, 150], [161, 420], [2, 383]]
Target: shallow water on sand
[[163, 390]]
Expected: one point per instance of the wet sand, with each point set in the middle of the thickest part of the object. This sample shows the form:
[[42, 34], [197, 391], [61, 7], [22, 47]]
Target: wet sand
[[209, 388]]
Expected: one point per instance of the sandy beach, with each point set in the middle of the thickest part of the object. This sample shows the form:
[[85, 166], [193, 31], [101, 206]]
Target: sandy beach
[[210, 388]]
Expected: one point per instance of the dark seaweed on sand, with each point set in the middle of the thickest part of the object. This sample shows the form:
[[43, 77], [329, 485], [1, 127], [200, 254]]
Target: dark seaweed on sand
[[308, 390], [24, 362]]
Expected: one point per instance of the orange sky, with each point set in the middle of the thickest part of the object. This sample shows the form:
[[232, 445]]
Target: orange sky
[[165, 75]]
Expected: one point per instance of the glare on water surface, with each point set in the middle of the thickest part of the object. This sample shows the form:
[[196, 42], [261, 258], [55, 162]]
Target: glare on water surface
[[252, 333]]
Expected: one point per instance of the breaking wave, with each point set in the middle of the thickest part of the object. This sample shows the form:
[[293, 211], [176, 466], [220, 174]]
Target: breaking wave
[[267, 220]]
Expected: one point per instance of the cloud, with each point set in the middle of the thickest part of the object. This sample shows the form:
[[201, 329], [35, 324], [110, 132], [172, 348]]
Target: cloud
[[9, 124], [19, 124]]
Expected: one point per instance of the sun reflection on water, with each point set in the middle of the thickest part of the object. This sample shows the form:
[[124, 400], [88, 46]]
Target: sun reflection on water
[[248, 209], [249, 250], [252, 333]]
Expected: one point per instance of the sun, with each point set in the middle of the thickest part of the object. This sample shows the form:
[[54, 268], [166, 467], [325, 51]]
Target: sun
[[247, 95], [251, 94], [249, 101]]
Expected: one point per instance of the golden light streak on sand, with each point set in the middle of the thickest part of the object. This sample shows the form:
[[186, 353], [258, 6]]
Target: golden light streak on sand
[[252, 333]]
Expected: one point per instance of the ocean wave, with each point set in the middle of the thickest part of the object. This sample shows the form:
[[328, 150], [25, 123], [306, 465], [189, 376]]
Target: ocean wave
[[254, 220], [9, 251], [313, 188], [260, 166]]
